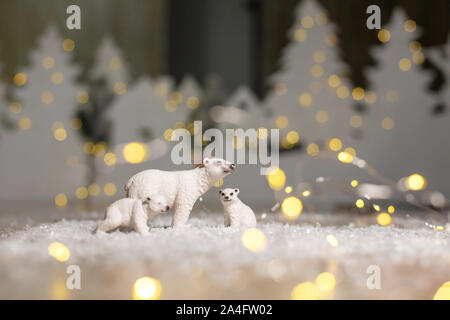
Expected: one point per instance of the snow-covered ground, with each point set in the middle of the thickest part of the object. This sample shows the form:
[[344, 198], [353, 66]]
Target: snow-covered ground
[[207, 261]]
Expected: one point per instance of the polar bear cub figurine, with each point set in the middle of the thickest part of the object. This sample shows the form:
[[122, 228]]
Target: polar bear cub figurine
[[132, 213], [237, 213]]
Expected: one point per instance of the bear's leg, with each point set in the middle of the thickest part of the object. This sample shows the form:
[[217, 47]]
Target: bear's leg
[[181, 214], [113, 220], [139, 219]]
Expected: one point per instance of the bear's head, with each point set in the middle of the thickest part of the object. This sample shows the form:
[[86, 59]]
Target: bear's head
[[218, 168], [156, 203], [228, 194]]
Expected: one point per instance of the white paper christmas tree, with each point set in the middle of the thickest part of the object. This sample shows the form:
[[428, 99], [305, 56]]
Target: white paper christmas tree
[[401, 135], [110, 65], [44, 156], [311, 100]]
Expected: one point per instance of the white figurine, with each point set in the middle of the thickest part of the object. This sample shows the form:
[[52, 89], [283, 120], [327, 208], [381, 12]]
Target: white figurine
[[181, 189], [132, 213], [237, 213]]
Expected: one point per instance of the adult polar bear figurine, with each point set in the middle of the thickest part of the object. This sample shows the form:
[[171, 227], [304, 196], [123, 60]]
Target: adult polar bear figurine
[[180, 188]]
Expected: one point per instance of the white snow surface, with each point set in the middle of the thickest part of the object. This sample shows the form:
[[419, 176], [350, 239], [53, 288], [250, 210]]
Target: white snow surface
[[205, 260]]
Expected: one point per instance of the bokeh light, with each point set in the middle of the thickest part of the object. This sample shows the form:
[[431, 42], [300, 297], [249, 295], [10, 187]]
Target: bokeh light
[[20, 79], [443, 293], [60, 200], [321, 116], [415, 182], [276, 178], [404, 64], [358, 93], [354, 183], [359, 203], [300, 35], [58, 251], [326, 281], [410, 25], [332, 240], [254, 240], [345, 157], [305, 291], [82, 97], [135, 152], [291, 207], [384, 35], [110, 189], [313, 149], [305, 99], [335, 144], [68, 44], [282, 122], [146, 288], [384, 219]]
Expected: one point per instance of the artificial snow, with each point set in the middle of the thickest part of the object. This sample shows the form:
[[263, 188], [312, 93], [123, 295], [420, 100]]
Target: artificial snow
[[205, 260]]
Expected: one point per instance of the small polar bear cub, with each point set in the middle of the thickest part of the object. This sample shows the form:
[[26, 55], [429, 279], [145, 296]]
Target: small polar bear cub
[[132, 213], [237, 213]]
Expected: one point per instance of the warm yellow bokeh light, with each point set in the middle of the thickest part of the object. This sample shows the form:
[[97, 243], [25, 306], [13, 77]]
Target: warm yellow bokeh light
[[110, 189], [415, 182], [370, 97], [94, 189], [312, 149], [120, 88], [305, 99], [376, 207], [292, 137], [345, 157], [305, 291], [135, 152], [20, 79], [321, 116], [351, 151], [343, 92], [335, 144], [291, 207], [354, 183], [57, 77], [321, 18], [307, 22], [82, 97], [319, 56], [192, 103], [306, 193], [47, 97], [61, 200], [288, 189], [404, 64], [384, 219], [58, 251], [25, 123], [82, 193], [384, 35], [68, 44], [254, 240], [415, 46], [410, 26], [146, 288], [334, 81], [326, 281], [282, 122], [110, 159], [443, 293], [300, 35], [332, 240], [359, 203], [276, 178], [60, 134], [219, 183], [356, 121], [317, 71], [391, 209], [418, 57], [387, 123], [15, 107], [331, 40], [48, 62], [358, 93], [115, 63]]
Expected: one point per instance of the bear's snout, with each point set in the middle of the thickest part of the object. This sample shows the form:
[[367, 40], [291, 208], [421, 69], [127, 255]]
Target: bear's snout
[[232, 166]]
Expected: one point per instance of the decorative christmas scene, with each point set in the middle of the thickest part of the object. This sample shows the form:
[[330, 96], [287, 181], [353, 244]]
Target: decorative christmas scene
[[357, 207]]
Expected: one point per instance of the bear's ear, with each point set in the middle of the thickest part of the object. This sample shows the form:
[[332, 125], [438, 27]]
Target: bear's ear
[[236, 191], [220, 192]]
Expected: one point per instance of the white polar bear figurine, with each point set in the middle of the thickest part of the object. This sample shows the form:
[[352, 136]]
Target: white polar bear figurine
[[237, 213], [133, 213], [181, 189]]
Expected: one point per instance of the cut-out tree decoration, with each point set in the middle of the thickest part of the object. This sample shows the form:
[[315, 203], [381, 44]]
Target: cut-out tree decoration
[[43, 158], [402, 136], [310, 100]]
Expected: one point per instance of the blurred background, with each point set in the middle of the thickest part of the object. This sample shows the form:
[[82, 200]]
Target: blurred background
[[363, 114]]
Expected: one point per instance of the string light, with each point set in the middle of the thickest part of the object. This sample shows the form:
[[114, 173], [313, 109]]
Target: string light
[[291, 207]]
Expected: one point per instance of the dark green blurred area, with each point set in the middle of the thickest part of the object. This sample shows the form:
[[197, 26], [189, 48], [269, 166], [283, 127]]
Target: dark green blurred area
[[241, 40]]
